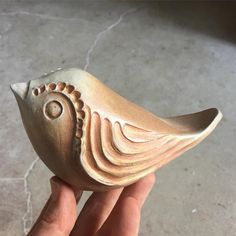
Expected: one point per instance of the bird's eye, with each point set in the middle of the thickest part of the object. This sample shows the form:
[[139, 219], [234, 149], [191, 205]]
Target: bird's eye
[[53, 110]]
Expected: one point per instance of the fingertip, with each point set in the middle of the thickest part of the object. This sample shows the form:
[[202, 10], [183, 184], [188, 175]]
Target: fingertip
[[59, 188], [57, 181], [59, 215], [141, 189], [150, 180], [55, 188]]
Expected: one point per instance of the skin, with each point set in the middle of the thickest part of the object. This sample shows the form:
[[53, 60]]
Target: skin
[[113, 213]]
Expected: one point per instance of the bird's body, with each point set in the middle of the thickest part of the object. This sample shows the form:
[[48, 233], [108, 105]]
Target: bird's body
[[95, 139]]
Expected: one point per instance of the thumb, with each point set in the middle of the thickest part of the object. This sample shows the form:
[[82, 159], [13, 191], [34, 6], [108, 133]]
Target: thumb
[[59, 214]]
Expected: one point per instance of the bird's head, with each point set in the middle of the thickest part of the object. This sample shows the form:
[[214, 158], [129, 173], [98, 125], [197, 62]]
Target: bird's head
[[52, 113]]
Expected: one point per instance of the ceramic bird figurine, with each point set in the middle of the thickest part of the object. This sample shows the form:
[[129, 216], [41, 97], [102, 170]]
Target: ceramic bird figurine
[[95, 139]]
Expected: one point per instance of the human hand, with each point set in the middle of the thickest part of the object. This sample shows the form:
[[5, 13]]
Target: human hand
[[112, 213]]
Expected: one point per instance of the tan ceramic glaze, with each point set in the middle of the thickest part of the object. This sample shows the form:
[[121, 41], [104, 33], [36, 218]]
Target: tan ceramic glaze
[[95, 139]]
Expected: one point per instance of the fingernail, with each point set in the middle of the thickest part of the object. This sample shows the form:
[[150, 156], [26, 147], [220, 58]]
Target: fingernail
[[54, 189]]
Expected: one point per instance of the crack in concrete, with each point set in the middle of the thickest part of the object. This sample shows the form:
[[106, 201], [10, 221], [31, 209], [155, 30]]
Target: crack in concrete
[[28, 217], [100, 34]]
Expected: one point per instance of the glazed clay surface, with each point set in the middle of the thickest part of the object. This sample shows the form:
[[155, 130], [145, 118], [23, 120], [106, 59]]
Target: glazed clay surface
[[95, 139]]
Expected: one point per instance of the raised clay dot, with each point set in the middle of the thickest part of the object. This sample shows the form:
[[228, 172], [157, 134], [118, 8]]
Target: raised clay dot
[[61, 86], [69, 88], [52, 86], [78, 142], [81, 115], [78, 151], [35, 92], [79, 133], [79, 123], [79, 105], [75, 95], [42, 89]]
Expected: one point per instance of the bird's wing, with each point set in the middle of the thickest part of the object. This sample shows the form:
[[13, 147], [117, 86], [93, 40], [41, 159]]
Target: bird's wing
[[119, 154]]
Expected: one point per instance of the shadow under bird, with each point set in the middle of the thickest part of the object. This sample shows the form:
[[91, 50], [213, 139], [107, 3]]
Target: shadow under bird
[[93, 138]]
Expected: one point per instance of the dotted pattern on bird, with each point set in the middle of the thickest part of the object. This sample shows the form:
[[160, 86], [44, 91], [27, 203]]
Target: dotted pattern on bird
[[75, 96]]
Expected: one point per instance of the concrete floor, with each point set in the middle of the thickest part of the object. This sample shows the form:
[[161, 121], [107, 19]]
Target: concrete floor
[[171, 58]]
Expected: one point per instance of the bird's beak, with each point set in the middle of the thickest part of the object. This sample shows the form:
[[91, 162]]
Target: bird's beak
[[20, 90]]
